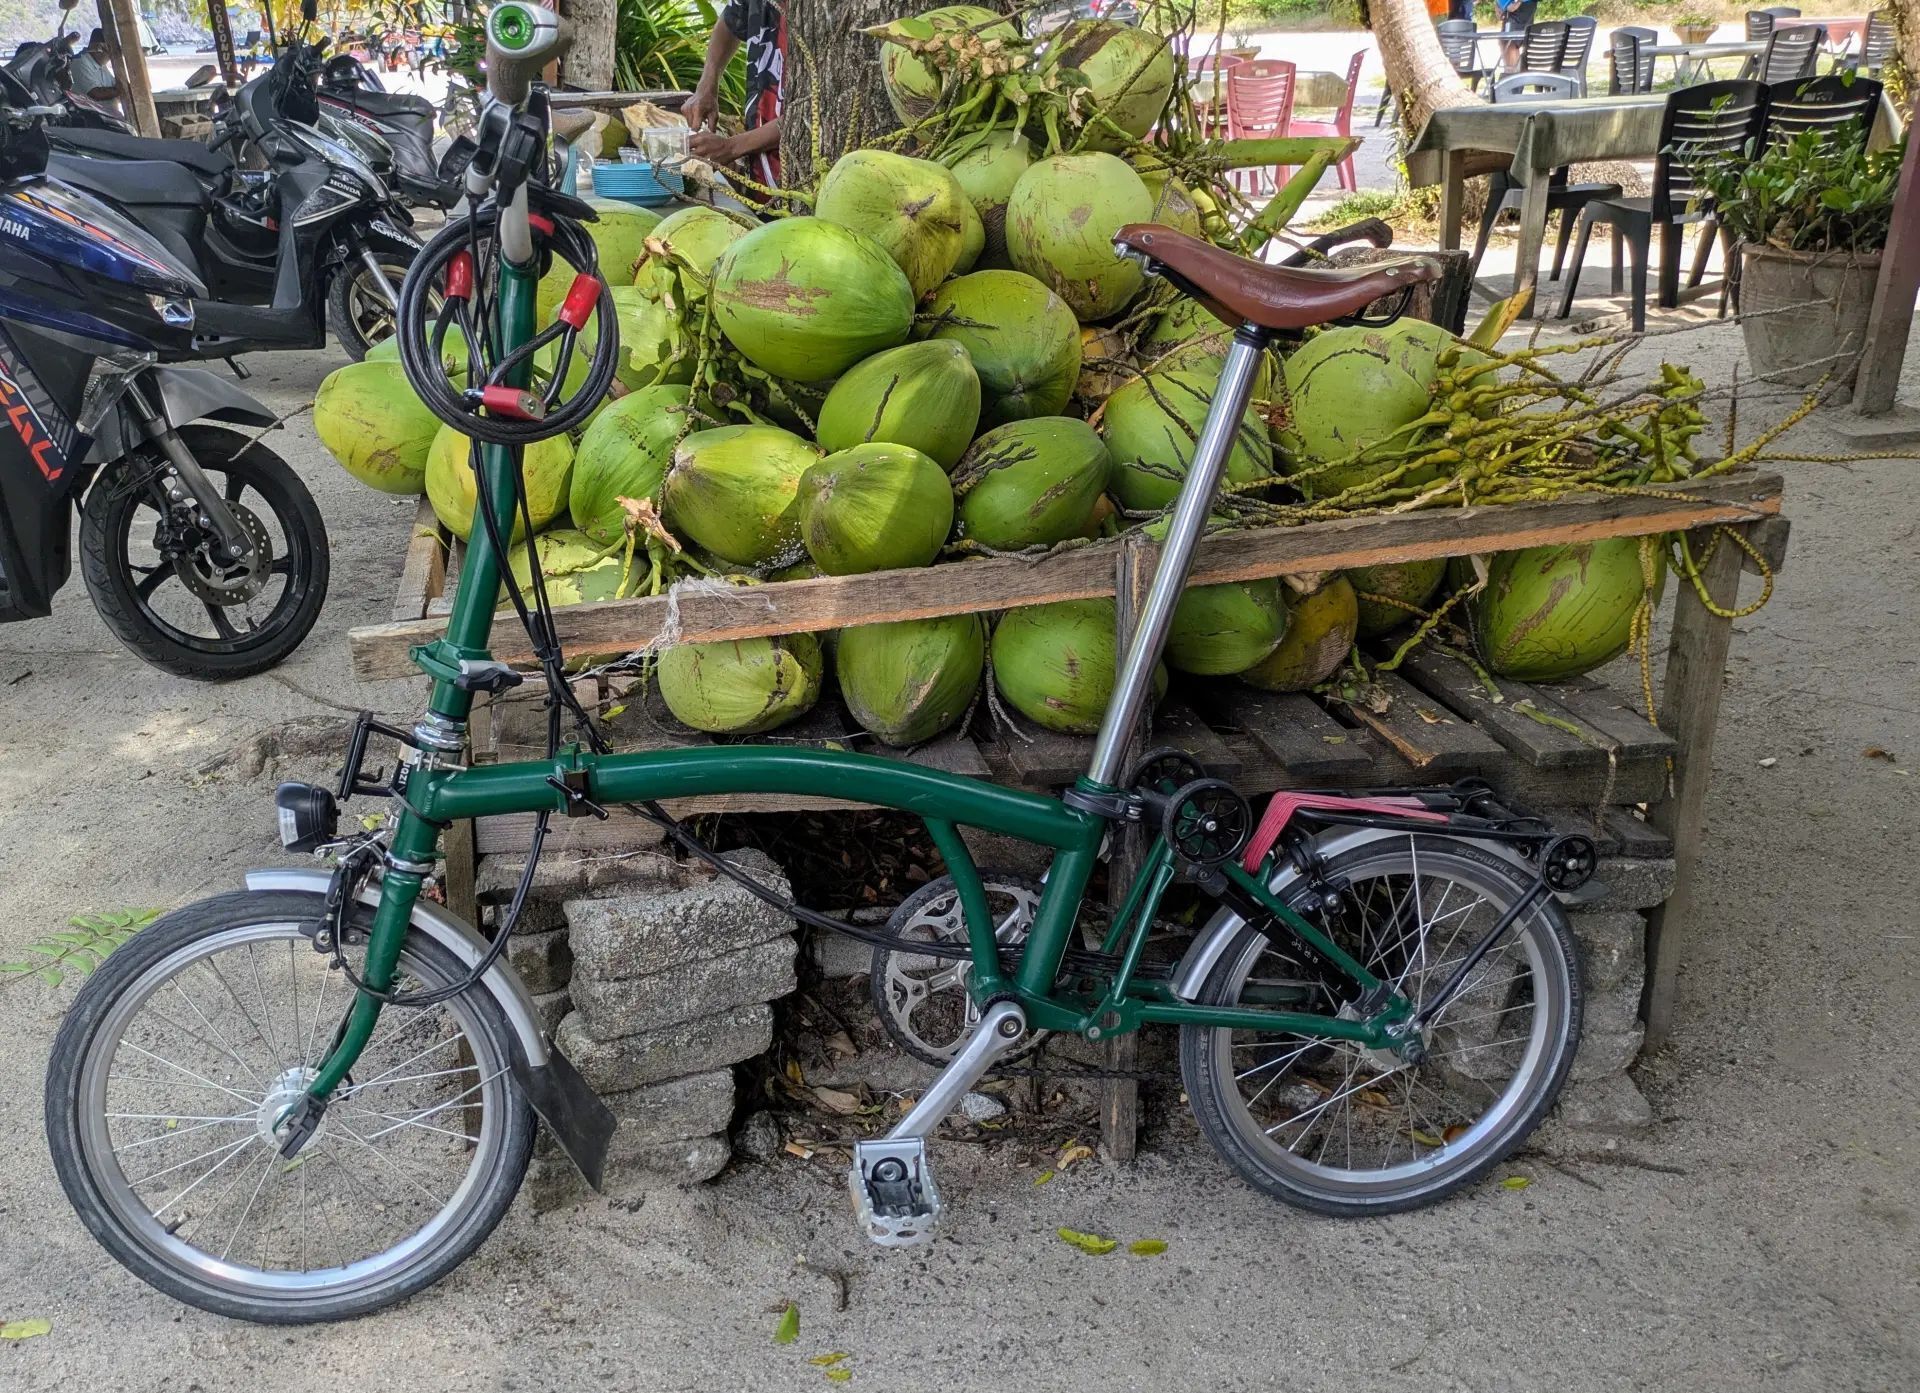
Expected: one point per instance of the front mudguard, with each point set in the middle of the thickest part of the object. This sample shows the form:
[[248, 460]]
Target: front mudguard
[[184, 395], [581, 1123]]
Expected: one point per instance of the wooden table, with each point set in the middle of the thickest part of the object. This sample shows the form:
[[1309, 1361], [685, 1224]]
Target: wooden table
[[1690, 60]]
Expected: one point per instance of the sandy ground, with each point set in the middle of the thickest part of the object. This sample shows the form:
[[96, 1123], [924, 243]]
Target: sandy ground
[[1762, 1237]]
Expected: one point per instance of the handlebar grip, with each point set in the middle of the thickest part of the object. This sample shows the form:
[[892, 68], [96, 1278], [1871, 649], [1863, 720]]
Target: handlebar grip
[[522, 38]]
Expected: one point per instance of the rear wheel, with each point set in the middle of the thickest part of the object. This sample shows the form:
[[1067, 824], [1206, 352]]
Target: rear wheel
[[184, 1050], [156, 576], [1341, 1129]]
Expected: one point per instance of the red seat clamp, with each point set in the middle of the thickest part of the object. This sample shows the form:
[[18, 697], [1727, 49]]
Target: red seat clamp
[[1280, 812]]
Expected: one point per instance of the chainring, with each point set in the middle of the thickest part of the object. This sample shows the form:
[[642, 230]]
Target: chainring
[[923, 1001]]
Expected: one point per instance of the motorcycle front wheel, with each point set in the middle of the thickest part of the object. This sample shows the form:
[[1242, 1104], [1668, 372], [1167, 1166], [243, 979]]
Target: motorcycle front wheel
[[358, 311], [154, 576]]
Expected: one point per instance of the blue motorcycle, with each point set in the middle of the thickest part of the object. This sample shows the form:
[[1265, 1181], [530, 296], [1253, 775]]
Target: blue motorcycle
[[201, 548]]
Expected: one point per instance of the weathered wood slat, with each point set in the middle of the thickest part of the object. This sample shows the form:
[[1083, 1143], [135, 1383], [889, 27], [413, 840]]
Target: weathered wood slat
[[710, 612], [1606, 712], [1430, 737], [423, 572], [1177, 725], [1045, 759], [440, 602], [1307, 745], [1455, 684], [1636, 836]]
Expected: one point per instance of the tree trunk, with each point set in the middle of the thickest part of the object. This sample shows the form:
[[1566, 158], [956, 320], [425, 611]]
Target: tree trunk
[[588, 65], [1418, 73], [832, 73]]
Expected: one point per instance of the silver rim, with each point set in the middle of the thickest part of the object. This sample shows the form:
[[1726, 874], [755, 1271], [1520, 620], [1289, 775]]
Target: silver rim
[[369, 311], [197, 1059], [928, 1006], [1339, 1120]]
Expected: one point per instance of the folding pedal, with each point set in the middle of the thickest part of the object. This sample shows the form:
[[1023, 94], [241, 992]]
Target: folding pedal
[[894, 1197]]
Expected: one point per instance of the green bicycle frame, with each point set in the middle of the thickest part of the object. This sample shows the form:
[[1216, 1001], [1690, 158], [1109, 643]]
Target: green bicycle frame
[[435, 790]]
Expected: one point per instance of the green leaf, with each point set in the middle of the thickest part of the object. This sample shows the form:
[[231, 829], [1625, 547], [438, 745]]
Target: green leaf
[[52, 976], [1090, 1243], [25, 1329], [19, 967], [1043, 1177], [839, 1375], [825, 1361], [788, 1330], [614, 710], [1515, 1182], [1147, 1247]]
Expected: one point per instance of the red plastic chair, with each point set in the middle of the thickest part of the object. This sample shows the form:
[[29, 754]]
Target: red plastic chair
[[1259, 104], [1210, 108], [1340, 125]]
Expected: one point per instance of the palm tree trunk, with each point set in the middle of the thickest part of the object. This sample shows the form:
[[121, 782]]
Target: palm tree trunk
[[832, 98], [588, 65], [1418, 73]]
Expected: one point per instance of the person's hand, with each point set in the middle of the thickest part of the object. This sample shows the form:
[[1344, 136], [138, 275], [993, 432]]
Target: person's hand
[[701, 108], [713, 147]]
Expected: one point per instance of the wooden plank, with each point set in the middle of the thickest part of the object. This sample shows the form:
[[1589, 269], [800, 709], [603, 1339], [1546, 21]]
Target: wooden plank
[[1045, 759], [1178, 725], [460, 845], [1455, 685], [1308, 745], [1607, 712], [1428, 736], [1689, 711], [706, 612], [1120, 1098], [1890, 321], [1636, 836], [1769, 538], [953, 753], [423, 573]]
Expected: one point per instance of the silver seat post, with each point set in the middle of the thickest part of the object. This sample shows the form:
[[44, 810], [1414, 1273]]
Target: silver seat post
[[1135, 678]]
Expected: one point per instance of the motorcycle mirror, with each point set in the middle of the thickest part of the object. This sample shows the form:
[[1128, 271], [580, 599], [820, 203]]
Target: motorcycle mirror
[[69, 4], [309, 10]]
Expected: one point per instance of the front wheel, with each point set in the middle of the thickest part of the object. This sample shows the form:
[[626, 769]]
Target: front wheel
[[183, 1051], [1341, 1129], [158, 581], [359, 311]]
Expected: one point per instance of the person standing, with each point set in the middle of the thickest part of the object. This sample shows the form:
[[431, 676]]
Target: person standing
[[1515, 15], [89, 75], [762, 26]]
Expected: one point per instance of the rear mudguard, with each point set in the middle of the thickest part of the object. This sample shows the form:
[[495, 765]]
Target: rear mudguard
[[581, 1123], [184, 395]]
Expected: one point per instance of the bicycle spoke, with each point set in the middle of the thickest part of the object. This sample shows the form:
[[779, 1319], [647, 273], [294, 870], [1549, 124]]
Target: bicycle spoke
[[159, 1059], [265, 1171]]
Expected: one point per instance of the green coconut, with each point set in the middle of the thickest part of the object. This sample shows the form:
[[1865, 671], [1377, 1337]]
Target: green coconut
[[1151, 425], [973, 239], [914, 209], [546, 465], [743, 687], [1222, 629], [1022, 338], [1054, 664], [1554, 612], [1320, 632], [987, 174], [1061, 219], [654, 345], [372, 423], [1410, 582], [875, 507], [624, 453], [453, 353], [913, 84], [806, 299], [688, 239], [926, 395], [1174, 205], [1030, 483], [909, 681], [1348, 389], [735, 492], [1129, 74], [577, 568], [1105, 364], [619, 233]]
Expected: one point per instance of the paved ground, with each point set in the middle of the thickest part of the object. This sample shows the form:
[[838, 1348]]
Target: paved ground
[[1765, 1236]]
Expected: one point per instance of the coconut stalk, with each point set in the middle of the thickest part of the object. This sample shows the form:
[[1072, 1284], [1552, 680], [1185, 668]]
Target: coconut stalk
[[1287, 199]]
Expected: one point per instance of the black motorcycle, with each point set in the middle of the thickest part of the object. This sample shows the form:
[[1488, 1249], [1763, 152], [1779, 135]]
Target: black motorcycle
[[44, 70], [317, 241], [201, 548], [405, 122]]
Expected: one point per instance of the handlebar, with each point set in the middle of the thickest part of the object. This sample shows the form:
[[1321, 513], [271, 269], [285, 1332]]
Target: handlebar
[[522, 38]]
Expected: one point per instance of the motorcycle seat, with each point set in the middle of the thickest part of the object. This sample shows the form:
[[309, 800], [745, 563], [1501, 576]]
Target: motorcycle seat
[[210, 164], [381, 103], [131, 183]]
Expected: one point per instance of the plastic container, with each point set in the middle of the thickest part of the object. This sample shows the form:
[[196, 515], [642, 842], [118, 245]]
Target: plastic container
[[636, 183]]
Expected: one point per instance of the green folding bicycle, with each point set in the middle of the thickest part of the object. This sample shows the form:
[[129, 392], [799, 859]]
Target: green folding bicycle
[[310, 1098]]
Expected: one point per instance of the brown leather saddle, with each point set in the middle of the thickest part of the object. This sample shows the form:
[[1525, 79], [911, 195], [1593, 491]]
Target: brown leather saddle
[[1239, 291]]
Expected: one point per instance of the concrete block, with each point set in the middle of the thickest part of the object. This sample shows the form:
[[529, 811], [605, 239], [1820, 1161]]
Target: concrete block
[[553, 1183], [640, 932], [1612, 1010], [609, 1066], [1602, 1053], [569, 874], [1613, 950], [1632, 882], [618, 1008], [1610, 1106], [692, 1106], [552, 1008], [543, 960], [836, 955]]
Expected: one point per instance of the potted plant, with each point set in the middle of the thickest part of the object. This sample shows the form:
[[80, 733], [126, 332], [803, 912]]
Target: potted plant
[[1694, 26], [1809, 217]]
